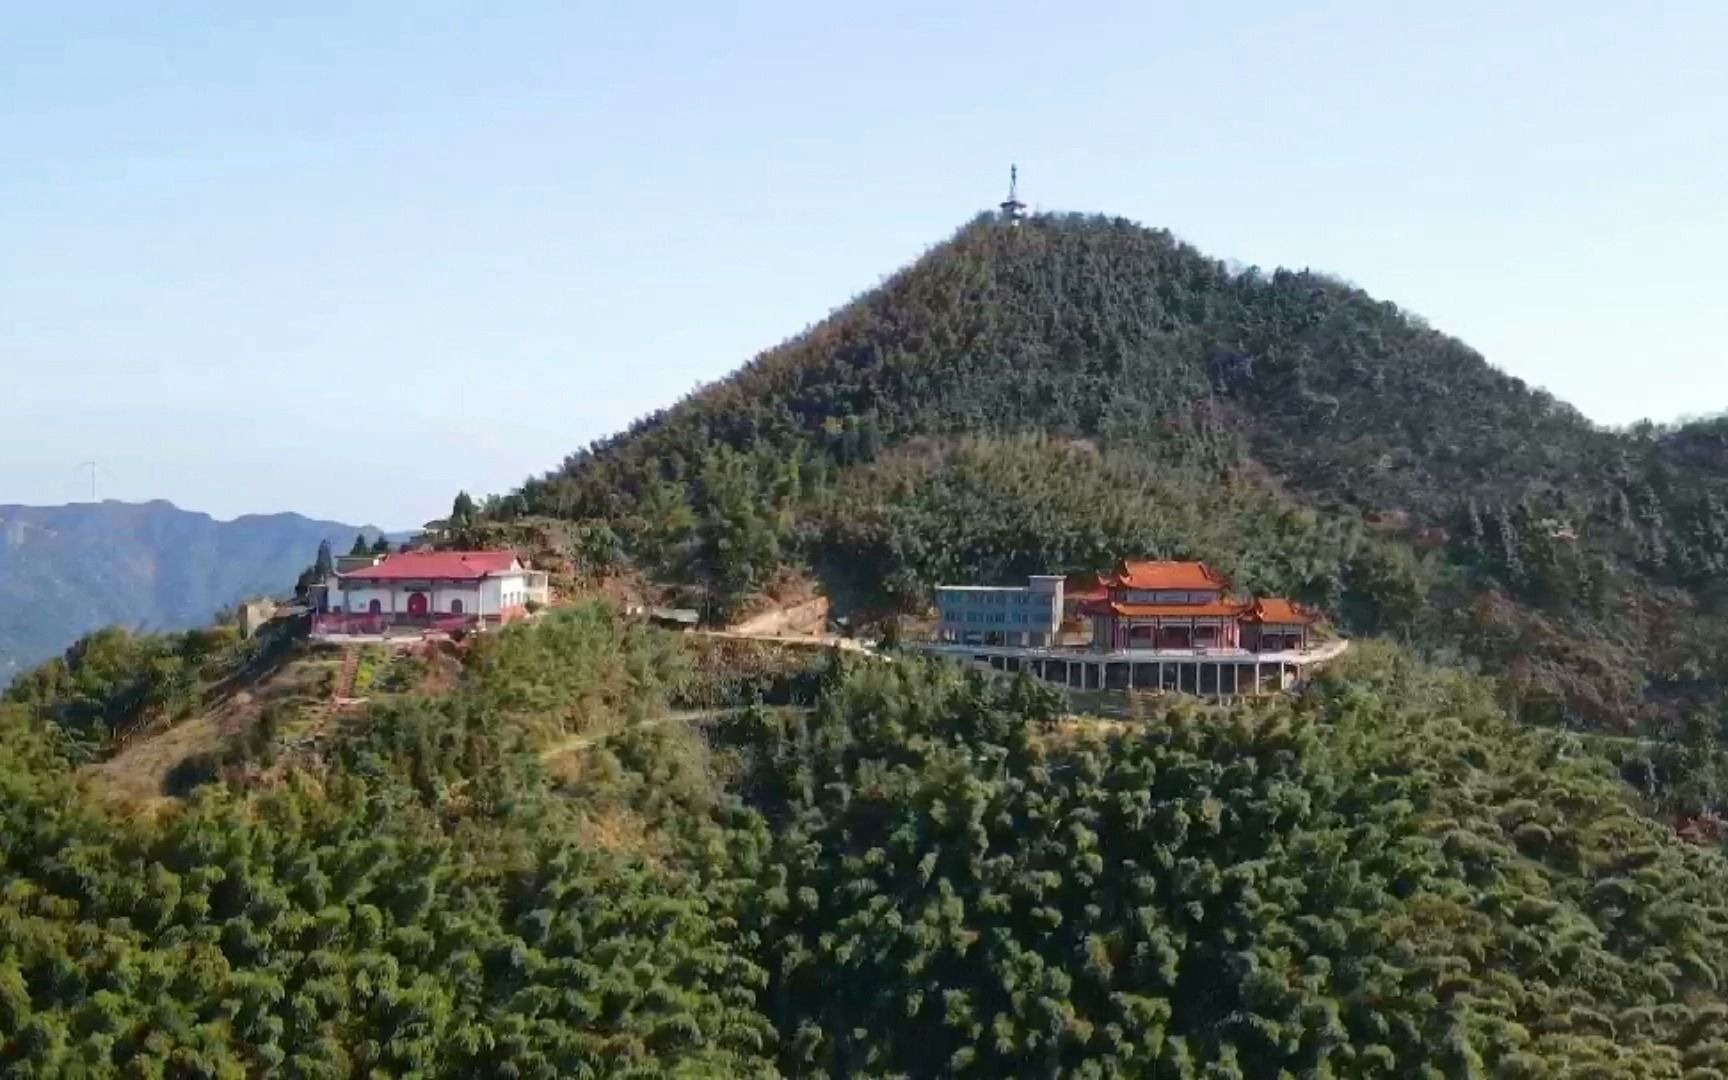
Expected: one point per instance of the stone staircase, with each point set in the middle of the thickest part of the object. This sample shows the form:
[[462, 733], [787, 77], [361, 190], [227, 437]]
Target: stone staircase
[[344, 691]]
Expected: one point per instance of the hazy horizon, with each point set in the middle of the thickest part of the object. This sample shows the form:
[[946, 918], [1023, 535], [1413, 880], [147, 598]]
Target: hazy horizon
[[344, 262], [220, 519]]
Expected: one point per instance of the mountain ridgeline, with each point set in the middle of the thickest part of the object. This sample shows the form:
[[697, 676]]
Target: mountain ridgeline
[[1061, 394], [584, 846], [68, 570]]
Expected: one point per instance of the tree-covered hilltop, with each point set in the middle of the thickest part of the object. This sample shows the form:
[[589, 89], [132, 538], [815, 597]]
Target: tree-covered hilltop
[[1079, 389], [113, 684], [926, 872], [420, 904], [589, 848]]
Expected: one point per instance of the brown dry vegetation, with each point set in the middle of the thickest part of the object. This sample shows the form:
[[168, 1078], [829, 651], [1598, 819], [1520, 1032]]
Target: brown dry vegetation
[[137, 774]]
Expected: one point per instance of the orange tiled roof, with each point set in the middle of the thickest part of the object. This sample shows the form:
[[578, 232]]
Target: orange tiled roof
[[1144, 574], [1217, 609], [1275, 609]]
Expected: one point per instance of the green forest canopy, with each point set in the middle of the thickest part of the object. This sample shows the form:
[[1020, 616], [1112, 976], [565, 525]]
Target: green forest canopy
[[926, 873], [1413, 869], [1077, 390]]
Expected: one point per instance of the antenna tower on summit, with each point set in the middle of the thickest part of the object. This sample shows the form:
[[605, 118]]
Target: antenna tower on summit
[[1013, 210]]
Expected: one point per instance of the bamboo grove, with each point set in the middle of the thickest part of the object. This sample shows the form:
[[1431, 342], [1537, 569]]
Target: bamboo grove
[[922, 872]]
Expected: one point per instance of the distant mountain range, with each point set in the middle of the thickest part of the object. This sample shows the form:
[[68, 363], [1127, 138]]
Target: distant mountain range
[[68, 570]]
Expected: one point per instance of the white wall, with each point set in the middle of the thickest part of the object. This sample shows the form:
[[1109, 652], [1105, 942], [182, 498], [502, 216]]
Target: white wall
[[357, 598], [512, 589], [393, 599], [444, 592], [489, 596]]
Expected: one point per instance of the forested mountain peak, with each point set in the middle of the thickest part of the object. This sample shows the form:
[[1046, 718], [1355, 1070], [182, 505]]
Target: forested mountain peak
[[1079, 389], [515, 858], [1095, 327]]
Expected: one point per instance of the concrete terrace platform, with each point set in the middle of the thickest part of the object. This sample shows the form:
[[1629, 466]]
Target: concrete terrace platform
[[1205, 672], [1319, 654]]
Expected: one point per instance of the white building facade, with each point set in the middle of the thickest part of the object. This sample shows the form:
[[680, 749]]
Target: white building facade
[[433, 589]]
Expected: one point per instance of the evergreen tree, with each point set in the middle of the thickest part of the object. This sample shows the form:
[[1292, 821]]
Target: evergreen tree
[[462, 511]]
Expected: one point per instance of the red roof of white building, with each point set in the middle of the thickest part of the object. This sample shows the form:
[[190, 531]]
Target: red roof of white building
[[435, 565]]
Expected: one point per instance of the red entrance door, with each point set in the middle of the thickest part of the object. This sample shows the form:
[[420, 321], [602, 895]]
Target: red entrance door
[[417, 604]]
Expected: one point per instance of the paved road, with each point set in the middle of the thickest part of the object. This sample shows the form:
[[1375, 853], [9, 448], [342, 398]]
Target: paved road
[[821, 641]]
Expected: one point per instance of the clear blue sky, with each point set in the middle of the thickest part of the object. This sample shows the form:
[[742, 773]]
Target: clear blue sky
[[345, 259]]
